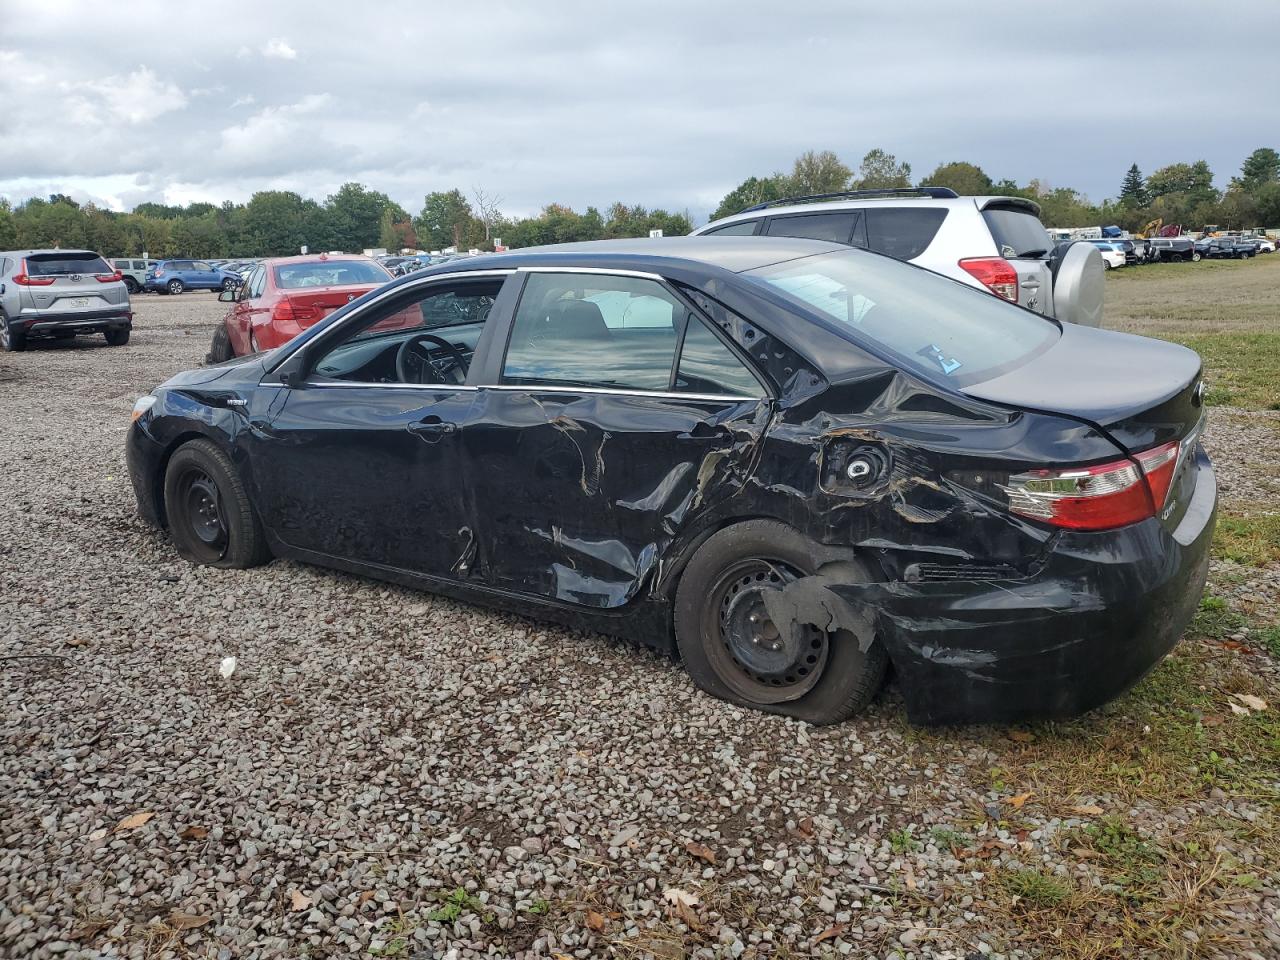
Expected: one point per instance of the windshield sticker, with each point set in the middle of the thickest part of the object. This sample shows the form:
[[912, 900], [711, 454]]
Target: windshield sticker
[[934, 352]]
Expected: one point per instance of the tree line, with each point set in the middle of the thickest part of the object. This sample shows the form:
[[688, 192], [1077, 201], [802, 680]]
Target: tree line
[[1181, 193], [280, 222]]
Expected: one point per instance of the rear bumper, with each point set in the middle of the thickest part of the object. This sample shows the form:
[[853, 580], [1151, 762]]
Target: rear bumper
[[89, 321], [1101, 613]]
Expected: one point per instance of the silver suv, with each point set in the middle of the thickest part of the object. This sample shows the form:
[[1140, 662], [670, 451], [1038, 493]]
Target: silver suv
[[997, 244], [60, 293]]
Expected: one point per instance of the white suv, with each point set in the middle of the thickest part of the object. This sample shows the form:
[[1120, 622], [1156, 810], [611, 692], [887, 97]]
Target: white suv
[[995, 243]]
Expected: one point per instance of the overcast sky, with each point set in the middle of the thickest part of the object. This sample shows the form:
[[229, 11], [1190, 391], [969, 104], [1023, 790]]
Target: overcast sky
[[663, 104]]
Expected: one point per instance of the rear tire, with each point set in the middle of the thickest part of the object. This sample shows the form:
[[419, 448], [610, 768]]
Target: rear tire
[[11, 341], [220, 350], [211, 520], [117, 338], [826, 680], [1195, 257], [175, 287], [131, 285]]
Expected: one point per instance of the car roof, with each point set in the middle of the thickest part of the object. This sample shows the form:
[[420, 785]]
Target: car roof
[[857, 203], [735, 254], [39, 251], [312, 258]]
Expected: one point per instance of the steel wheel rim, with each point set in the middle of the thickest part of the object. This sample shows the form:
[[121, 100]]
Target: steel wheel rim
[[203, 513], [752, 655]]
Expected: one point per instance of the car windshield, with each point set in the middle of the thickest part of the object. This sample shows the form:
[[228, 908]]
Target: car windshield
[[944, 329], [329, 273], [63, 264]]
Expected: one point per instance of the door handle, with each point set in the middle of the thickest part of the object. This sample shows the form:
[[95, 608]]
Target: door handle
[[432, 428], [705, 431]]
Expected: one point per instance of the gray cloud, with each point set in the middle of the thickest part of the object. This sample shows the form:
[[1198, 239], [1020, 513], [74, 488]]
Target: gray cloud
[[664, 103]]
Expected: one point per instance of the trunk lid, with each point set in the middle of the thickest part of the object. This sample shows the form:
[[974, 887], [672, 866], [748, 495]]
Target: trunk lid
[[70, 284], [1142, 392], [312, 304]]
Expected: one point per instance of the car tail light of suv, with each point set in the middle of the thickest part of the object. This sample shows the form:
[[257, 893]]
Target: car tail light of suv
[[995, 273], [24, 279], [108, 277], [1100, 497]]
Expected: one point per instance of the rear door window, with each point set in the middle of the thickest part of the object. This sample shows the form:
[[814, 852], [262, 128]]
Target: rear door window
[[593, 330], [838, 227], [744, 228], [903, 232], [707, 365], [947, 331], [1018, 234]]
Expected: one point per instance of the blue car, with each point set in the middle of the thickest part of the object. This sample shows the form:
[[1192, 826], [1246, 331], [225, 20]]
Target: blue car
[[174, 276]]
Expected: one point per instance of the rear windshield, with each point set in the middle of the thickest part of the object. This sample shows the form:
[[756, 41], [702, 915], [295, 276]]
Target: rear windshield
[[331, 273], [1017, 233], [61, 264], [943, 329]]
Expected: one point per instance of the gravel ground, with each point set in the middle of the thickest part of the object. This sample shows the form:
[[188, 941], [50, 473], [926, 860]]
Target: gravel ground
[[390, 774]]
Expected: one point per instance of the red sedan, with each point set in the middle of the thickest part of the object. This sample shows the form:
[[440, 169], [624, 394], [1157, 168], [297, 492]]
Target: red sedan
[[283, 296]]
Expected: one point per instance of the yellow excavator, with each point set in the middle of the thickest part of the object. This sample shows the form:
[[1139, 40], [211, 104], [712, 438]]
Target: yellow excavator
[[1152, 229]]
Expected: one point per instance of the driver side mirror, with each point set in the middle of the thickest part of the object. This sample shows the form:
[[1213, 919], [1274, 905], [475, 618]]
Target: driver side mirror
[[228, 295]]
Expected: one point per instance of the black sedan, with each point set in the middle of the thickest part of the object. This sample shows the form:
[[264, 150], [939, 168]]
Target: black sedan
[[788, 462]]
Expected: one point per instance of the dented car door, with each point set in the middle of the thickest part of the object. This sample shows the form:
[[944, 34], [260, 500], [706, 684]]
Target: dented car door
[[616, 414]]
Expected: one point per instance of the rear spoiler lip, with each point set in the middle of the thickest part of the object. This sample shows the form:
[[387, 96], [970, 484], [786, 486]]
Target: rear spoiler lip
[[1009, 203]]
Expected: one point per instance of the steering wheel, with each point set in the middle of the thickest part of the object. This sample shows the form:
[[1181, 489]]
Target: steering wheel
[[453, 366]]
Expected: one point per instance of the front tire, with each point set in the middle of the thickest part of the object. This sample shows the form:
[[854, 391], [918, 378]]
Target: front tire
[[211, 520], [732, 649], [175, 287], [1196, 257]]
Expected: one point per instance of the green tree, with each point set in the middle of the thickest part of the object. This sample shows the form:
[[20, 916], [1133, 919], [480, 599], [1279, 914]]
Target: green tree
[[446, 220], [280, 222], [751, 191], [354, 217], [8, 229], [966, 179], [1194, 181], [1260, 167], [1133, 190], [882, 171], [817, 172], [395, 231], [623, 221], [199, 236], [1267, 198]]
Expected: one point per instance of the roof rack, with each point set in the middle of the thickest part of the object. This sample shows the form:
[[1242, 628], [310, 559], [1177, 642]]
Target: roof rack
[[937, 193]]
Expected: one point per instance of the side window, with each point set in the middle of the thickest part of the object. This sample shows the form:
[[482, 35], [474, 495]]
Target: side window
[[707, 365], [837, 227], [259, 282], [203, 267], [593, 330], [181, 265], [121, 264], [400, 341], [903, 232], [743, 228]]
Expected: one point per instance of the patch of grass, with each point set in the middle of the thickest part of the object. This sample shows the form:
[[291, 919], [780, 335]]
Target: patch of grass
[[948, 838], [1243, 369], [539, 908], [901, 841], [455, 904], [1034, 888], [1251, 539], [1215, 619], [1269, 638]]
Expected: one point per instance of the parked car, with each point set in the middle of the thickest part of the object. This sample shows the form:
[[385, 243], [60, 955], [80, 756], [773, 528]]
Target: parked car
[[133, 272], [175, 276], [1112, 255], [281, 297], [1260, 244], [59, 294], [997, 244], [1225, 248], [1173, 248], [788, 461]]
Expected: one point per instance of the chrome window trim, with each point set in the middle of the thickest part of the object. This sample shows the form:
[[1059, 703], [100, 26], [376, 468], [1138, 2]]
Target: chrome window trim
[[535, 388], [600, 271]]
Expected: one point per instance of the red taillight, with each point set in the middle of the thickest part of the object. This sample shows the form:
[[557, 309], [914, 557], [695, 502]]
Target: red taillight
[[995, 273], [108, 277], [159, 272], [1100, 497], [285, 310], [23, 279]]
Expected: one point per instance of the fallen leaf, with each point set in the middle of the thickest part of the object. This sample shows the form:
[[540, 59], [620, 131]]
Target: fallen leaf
[[675, 896], [194, 833], [1017, 801], [910, 876], [1252, 702], [1086, 854], [561, 956], [595, 921], [1021, 736], [89, 929], [299, 900], [135, 821], [1238, 710], [831, 932], [187, 921], [805, 827], [1088, 810], [701, 851], [364, 898], [289, 701]]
